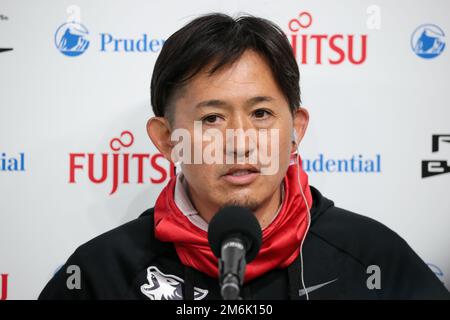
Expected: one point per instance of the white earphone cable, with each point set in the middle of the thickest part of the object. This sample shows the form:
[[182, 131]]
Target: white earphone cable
[[307, 228]]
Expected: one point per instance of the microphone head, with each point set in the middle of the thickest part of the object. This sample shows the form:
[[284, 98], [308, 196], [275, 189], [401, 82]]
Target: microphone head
[[235, 221]]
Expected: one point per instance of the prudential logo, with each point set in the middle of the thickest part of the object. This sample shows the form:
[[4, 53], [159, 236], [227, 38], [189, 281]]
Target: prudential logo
[[71, 39], [428, 41]]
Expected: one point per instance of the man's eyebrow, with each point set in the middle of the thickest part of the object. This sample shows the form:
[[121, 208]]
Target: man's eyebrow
[[211, 103], [258, 99], [220, 103]]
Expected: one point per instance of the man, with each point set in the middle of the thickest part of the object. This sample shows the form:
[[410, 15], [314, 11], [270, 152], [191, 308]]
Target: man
[[240, 74]]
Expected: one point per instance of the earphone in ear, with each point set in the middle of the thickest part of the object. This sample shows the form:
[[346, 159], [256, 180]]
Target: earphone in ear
[[294, 139], [294, 136]]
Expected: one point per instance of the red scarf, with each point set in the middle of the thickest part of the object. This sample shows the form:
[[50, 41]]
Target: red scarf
[[281, 239]]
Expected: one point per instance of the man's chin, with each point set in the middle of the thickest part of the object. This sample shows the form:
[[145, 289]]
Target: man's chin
[[242, 201]]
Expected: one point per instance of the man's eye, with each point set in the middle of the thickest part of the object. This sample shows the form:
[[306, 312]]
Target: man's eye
[[211, 119], [261, 113]]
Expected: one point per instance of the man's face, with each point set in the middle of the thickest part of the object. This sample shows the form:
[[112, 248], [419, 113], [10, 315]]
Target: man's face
[[241, 96]]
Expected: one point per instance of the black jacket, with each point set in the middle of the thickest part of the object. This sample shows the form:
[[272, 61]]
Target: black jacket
[[345, 255]]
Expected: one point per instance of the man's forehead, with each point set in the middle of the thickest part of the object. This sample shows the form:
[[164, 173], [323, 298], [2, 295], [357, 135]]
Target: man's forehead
[[249, 69], [248, 80]]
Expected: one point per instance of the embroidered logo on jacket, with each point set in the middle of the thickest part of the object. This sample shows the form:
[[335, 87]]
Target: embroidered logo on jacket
[[162, 286]]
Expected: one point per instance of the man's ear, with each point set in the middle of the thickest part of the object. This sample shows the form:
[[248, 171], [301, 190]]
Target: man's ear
[[158, 129], [301, 120]]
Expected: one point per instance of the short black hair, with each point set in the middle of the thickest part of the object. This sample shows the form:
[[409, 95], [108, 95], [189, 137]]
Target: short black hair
[[220, 40]]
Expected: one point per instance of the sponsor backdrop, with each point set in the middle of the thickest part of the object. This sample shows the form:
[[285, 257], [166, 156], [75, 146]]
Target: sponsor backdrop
[[75, 160]]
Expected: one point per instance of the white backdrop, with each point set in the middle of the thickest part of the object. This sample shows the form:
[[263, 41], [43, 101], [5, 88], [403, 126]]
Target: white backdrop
[[56, 107]]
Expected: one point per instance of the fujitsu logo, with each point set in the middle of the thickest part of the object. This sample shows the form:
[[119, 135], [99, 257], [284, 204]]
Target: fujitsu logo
[[119, 167], [324, 48], [4, 286]]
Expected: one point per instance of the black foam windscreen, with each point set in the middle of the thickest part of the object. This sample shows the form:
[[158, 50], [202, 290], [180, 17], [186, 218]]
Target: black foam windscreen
[[235, 220]]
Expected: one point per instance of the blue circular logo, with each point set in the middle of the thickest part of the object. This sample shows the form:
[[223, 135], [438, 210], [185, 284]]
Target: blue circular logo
[[71, 39], [428, 41]]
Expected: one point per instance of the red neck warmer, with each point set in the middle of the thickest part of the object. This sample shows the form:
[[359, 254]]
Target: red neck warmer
[[281, 239]]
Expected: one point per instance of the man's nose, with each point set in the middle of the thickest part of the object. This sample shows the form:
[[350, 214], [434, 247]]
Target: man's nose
[[240, 138]]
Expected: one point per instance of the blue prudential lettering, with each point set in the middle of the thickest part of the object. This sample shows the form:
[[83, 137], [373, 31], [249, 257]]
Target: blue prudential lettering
[[12, 163], [144, 43], [353, 164]]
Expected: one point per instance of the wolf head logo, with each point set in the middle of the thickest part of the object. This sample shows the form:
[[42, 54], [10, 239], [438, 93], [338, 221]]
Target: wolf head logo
[[162, 286]]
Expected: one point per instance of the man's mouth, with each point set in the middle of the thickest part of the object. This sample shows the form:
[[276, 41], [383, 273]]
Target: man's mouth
[[241, 174]]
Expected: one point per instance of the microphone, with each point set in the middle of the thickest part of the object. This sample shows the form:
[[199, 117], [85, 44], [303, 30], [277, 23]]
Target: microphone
[[235, 237]]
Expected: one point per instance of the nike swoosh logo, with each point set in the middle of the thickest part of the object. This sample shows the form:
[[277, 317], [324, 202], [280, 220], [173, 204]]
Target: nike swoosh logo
[[302, 292], [5, 49]]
